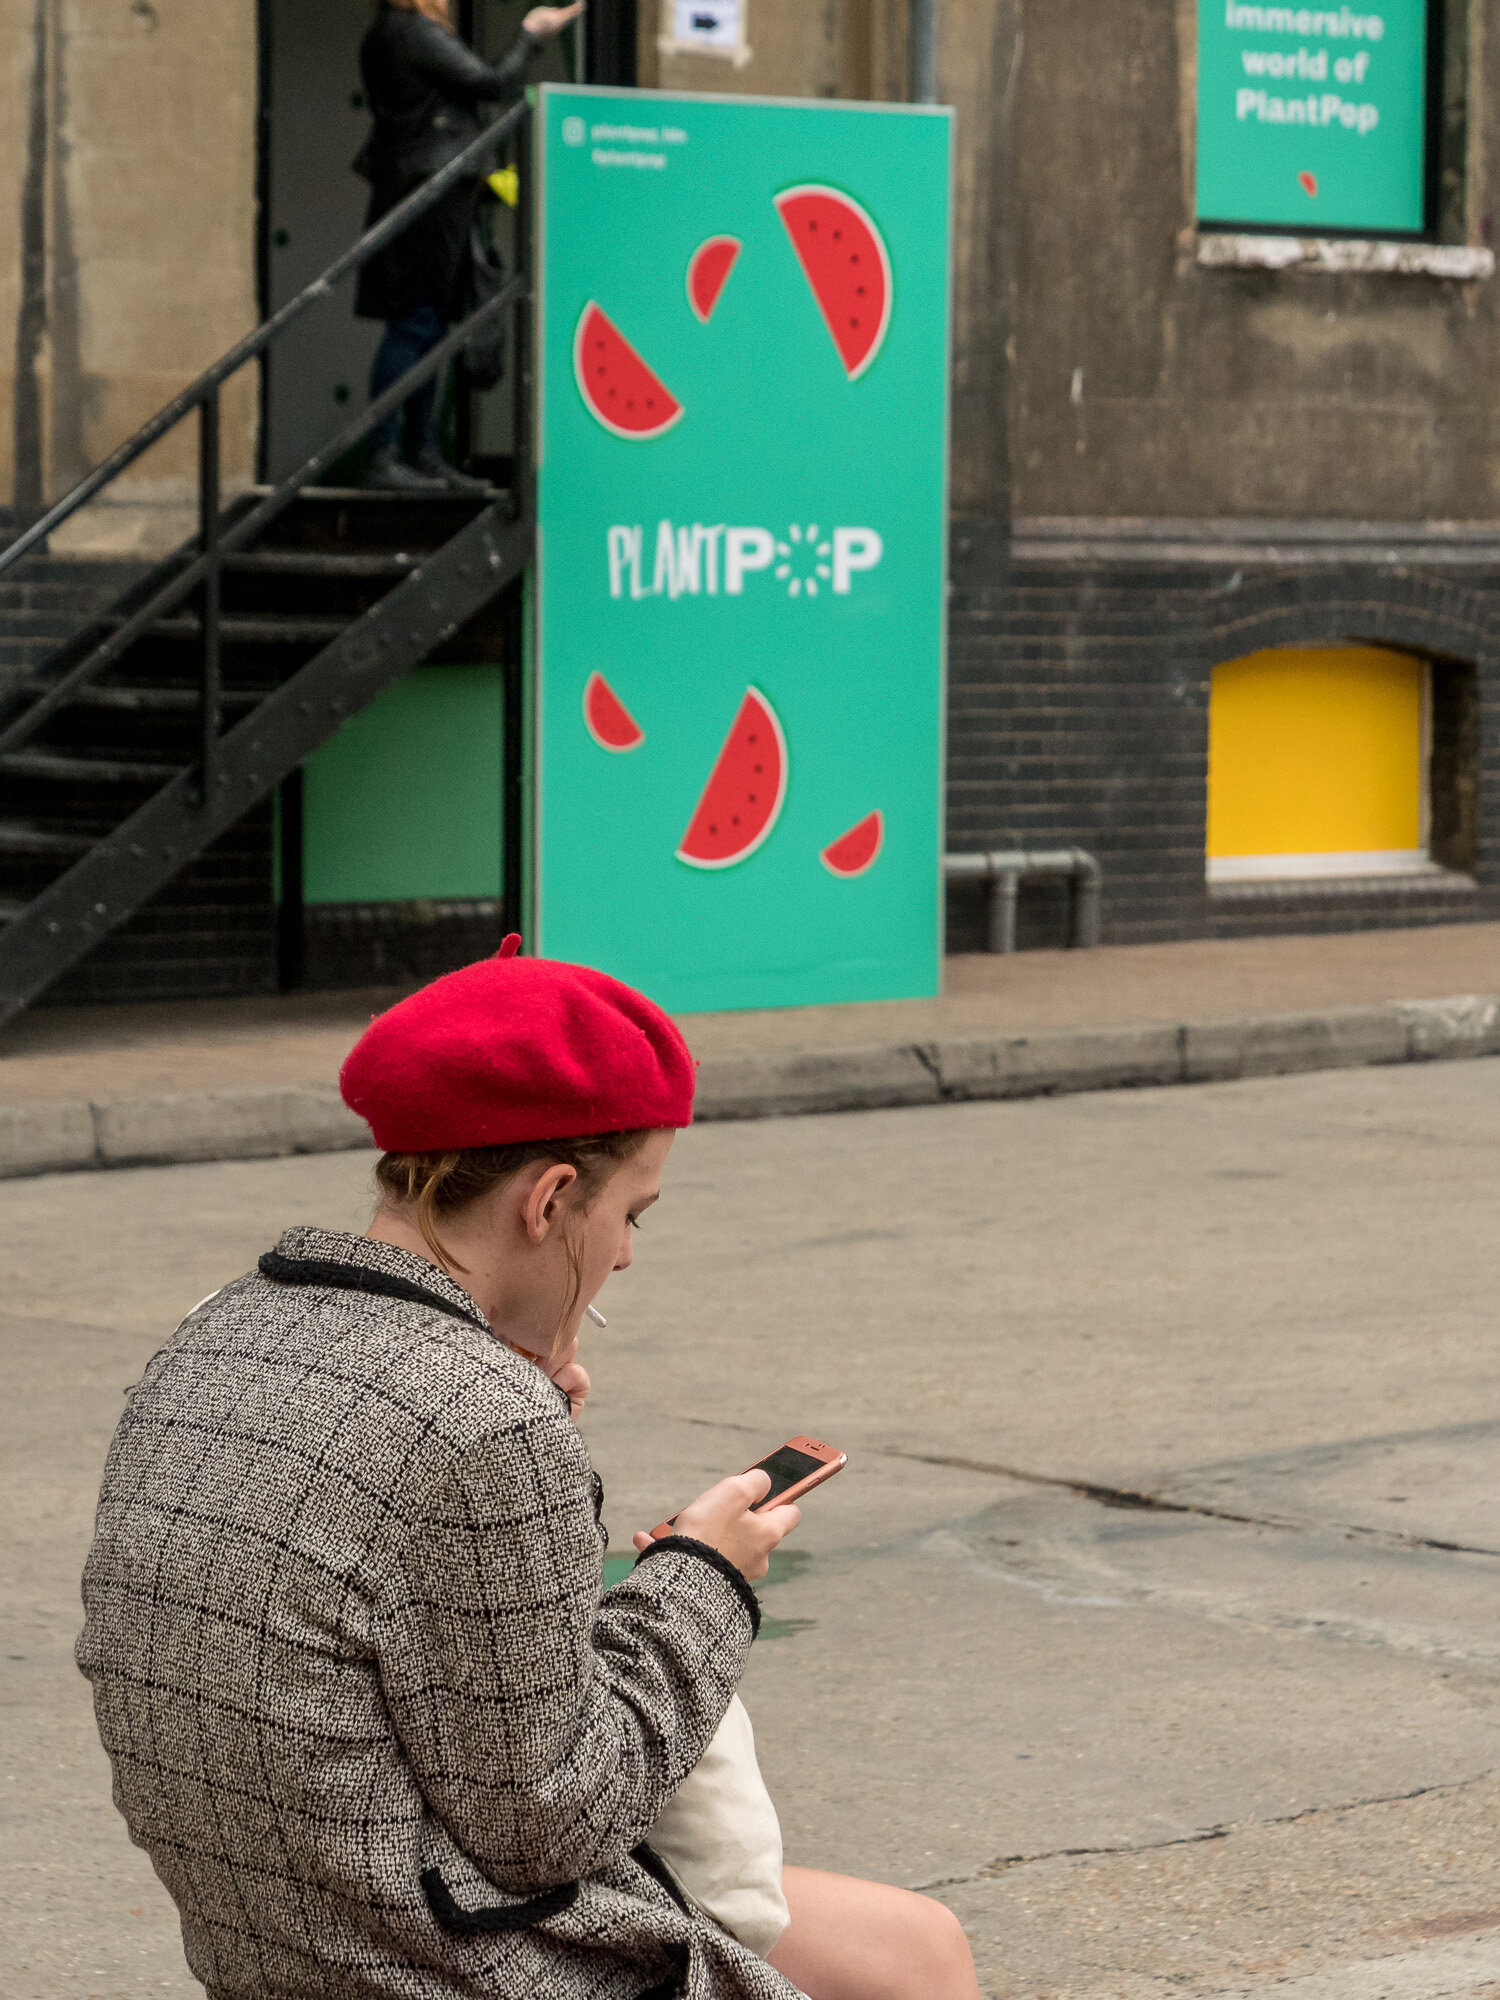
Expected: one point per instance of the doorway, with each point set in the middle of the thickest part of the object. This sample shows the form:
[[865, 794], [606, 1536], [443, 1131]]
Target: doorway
[[314, 121]]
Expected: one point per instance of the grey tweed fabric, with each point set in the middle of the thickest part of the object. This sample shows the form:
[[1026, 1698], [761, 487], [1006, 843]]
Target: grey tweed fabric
[[369, 1710]]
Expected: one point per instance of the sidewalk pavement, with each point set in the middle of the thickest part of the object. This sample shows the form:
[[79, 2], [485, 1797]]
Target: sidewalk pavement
[[247, 1079]]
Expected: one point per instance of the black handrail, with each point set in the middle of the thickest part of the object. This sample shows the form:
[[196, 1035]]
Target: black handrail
[[248, 525], [201, 575], [389, 227]]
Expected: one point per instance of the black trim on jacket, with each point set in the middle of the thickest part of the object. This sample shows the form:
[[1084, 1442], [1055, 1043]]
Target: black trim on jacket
[[715, 1561], [351, 1277], [503, 1917]]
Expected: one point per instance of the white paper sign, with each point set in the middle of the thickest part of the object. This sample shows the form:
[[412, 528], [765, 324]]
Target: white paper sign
[[716, 26]]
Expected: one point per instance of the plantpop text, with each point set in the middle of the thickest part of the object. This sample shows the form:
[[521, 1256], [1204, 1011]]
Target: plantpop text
[[689, 561]]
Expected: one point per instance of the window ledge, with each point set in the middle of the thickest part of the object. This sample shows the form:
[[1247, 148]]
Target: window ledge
[[1432, 882], [1221, 251]]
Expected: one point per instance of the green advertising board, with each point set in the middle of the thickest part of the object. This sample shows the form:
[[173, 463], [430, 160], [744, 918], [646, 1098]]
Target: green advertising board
[[739, 631], [1313, 118]]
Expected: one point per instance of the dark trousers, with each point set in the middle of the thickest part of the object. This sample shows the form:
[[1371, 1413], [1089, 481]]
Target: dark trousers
[[406, 341]]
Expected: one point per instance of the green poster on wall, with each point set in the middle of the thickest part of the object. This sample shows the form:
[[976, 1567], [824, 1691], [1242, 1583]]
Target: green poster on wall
[[742, 449], [1313, 118]]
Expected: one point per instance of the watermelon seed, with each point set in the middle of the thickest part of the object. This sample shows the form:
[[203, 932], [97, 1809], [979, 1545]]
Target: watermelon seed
[[735, 820]]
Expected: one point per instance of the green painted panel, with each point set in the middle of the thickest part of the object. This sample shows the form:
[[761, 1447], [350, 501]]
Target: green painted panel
[[405, 802], [1313, 117], [741, 545]]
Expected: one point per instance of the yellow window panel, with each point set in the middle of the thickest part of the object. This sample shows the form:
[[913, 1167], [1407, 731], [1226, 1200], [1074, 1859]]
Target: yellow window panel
[[1316, 754]]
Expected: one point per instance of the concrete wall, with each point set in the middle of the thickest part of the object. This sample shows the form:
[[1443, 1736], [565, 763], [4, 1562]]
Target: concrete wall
[[127, 231], [1143, 384]]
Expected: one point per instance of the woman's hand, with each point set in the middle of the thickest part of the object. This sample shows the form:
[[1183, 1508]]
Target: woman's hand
[[574, 1378], [542, 23], [721, 1517], [570, 1375]]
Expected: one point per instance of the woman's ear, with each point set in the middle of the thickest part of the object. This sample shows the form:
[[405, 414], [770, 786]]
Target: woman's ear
[[538, 1210]]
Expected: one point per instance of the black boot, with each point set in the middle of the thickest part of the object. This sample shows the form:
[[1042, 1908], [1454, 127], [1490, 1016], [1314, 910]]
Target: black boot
[[388, 474], [432, 465]]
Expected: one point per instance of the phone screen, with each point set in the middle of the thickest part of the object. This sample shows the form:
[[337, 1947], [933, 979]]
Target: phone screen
[[786, 1467]]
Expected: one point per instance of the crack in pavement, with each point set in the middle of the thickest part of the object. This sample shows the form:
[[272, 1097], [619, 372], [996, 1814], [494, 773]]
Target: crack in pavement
[[1202, 1836], [1137, 1499], [1151, 1503]]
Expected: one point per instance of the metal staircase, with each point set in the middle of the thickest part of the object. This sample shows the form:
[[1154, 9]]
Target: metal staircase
[[165, 721]]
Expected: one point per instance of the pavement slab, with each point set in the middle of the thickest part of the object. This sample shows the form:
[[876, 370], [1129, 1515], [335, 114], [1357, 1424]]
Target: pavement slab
[[1135, 1629]]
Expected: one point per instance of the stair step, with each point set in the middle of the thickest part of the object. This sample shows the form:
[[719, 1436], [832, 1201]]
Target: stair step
[[85, 770], [238, 628], [310, 562], [9, 911], [139, 700], [18, 839]]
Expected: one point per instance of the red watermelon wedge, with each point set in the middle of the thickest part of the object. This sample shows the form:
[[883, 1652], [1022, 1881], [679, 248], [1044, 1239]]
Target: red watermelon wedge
[[858, 849], [745, 792], [843, 258], [619, 389], [708, 273], [607, 719]]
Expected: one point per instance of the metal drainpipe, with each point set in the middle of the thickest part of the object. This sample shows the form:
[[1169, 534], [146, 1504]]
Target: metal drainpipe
[[1004, 872], [922, 67]]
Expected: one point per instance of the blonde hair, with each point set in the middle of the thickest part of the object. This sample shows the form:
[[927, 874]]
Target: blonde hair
[[435, 10], [439, 1185]]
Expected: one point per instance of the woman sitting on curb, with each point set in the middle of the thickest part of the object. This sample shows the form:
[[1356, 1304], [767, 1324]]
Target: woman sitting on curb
[[369, 1709]]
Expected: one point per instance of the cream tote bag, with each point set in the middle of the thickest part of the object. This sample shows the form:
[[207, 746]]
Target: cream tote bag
[[720, 1837]]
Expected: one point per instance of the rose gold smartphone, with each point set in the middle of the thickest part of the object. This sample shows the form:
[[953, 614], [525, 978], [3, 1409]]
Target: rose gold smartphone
[[795, 1469]]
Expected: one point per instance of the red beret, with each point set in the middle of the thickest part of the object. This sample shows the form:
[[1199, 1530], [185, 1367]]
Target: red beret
[[514, 1049]]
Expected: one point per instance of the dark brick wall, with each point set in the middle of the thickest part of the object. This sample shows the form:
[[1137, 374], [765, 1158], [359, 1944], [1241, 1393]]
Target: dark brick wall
[[1078, 716], [394, 944], [45, 599], [210, 934]]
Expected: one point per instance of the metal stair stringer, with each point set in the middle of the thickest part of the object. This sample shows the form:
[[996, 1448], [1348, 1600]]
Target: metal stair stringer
[[107, 885]]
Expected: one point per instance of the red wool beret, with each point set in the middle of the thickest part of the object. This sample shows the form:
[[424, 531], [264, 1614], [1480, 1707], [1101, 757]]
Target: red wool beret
[[514, 1049]]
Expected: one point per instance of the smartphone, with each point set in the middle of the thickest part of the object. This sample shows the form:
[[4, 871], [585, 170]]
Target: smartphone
[[795, 1468]]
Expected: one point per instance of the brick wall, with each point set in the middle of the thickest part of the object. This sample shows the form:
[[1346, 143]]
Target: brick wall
[[1078, 716]]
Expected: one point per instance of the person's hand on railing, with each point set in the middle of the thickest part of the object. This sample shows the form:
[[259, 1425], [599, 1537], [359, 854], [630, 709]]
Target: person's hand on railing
[[545, 22]]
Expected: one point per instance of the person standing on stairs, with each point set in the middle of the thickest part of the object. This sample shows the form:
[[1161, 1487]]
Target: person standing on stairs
[[430, 96]]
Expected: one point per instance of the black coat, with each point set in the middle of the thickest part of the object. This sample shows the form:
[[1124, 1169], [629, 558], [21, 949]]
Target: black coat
[[430, 96]]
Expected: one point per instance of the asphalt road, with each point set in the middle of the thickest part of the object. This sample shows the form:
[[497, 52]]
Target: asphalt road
[[1152, 1625]]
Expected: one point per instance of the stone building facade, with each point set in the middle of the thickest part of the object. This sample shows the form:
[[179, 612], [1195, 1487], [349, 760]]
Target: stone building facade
[[1174, 448]]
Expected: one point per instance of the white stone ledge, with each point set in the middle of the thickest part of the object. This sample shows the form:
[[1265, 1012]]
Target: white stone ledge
[[1221, 251]]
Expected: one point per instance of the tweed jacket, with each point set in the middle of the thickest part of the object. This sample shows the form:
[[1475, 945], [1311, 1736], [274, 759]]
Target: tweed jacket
[[368, 1708]]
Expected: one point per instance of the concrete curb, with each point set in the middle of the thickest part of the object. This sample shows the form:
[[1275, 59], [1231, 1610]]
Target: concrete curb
[[72, 1134]]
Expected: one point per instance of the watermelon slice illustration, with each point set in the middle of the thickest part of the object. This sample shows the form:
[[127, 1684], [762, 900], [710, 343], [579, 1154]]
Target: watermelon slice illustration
[[843, 258], [619, 389], [708, 272], [858, 849], [1308, 182], [607, 719], [745, 792]]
